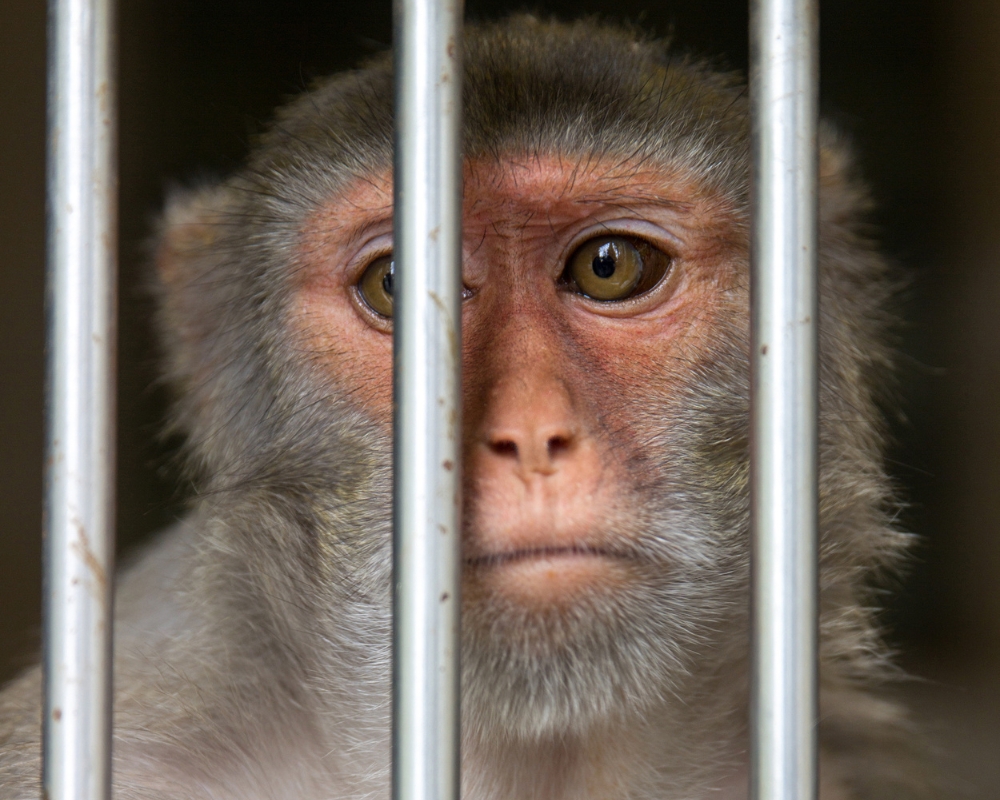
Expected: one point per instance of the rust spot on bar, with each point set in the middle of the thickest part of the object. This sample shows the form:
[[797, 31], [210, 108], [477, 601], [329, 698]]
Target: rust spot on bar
[[82, 546]]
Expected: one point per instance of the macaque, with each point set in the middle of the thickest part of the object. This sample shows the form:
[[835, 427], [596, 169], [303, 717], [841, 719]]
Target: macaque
[[605, 590]]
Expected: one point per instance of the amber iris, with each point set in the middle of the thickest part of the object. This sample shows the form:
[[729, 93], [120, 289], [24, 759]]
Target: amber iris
[[610, 268], [376, 286]]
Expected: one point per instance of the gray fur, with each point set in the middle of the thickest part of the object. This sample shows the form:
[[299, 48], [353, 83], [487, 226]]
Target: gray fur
[[252, 656]]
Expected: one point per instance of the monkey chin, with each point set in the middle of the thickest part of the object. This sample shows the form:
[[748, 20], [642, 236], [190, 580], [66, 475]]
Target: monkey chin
[[554, 644], [549, 577]]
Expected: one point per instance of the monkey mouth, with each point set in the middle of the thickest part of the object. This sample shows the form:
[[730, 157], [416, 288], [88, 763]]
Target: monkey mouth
[[541, 554], [546, 577]]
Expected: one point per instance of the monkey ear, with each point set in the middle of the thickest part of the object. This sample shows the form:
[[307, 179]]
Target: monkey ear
[[192, 223], [189, 253], [844, 196]]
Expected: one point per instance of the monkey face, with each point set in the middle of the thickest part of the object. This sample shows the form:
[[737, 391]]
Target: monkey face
[[589, 435], [605, 359]]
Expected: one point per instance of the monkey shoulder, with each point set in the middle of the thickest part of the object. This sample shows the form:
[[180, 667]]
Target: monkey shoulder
[[156, 675]]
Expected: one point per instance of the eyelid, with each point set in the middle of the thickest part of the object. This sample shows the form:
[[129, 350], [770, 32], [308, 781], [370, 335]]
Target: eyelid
[[375, 248], [629, 228]]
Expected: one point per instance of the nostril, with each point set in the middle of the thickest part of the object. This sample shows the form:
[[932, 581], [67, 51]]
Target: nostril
[[504, 447], [558, 445]]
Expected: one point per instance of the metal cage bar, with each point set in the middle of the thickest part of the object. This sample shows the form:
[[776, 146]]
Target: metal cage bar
[[784, 99], [80, 401], [428, 433]]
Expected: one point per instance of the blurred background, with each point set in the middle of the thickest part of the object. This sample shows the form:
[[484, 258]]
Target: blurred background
[[915, 84]]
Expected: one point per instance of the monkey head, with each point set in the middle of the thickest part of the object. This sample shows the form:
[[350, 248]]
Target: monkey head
[[605, 358]]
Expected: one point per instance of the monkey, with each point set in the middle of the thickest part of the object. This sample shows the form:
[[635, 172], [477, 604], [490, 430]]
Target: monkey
[[605, 540]]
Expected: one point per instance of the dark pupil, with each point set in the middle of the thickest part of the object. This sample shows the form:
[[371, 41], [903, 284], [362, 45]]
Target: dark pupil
[[604, 265], [387, 281]]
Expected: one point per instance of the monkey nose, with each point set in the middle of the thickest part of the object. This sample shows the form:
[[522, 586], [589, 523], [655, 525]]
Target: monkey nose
[[529, 427], [532, 450]]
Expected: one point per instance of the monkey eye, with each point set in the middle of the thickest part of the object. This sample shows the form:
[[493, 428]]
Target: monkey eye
[[376, 287], [610, 268]]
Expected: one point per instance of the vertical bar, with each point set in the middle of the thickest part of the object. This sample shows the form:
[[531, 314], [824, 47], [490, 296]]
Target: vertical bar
[[784, 88], [428, 352], [80, 403]]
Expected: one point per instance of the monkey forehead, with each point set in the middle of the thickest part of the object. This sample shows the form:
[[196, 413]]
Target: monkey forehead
[[529, 86], [544, 191], [553, 181]]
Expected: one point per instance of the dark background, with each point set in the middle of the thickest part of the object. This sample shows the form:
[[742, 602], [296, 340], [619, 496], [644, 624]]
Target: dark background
[[916, 84]]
